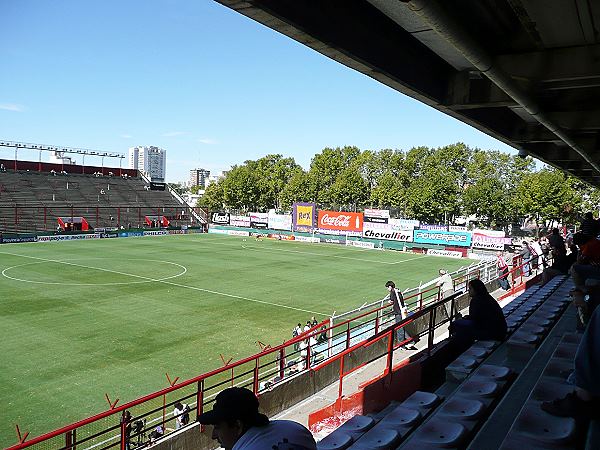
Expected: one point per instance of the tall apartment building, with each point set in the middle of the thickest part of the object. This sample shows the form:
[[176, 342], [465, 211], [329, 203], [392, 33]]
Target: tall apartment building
[[199, 177], [150, 160]]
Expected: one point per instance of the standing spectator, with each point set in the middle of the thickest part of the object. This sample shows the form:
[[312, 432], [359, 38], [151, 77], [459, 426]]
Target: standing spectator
[[181, 414], [313, 322], [306, 327], [323, 336], [526, 257], [126, 420], [537, 248], [445, 284], [503, 271], [238, 424], [296, 332], [303, 354], [485, 320], [589, 225], [400, 312]]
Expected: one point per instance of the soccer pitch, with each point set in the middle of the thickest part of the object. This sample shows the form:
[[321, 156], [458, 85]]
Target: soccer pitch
[[83, 318]]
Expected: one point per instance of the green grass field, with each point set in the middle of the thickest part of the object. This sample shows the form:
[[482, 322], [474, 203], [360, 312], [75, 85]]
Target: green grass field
[[83, 318]]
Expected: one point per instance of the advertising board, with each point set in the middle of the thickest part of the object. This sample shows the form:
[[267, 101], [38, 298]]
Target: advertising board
[[68, 237], [403, 224], [131, 234], [455, 238], [377, 213], [239, 221], [259, 220], [304, 216], [386, 231], [360, 244], [280, 221], [307, 239], [221, 218], [489, 242], [18, 239], [155, 233], [428, 226], [341, 221], [446, 253]]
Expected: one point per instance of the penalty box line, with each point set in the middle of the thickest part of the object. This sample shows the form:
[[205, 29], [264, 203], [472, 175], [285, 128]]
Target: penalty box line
[[184, 286]]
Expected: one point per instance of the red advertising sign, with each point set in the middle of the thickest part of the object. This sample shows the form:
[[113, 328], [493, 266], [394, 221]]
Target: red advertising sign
[[340, 220]]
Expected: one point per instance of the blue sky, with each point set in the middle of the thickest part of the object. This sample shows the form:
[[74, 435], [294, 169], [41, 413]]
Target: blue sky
[[209, 85]]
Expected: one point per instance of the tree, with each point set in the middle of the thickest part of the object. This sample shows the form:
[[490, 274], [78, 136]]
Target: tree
[[547, 195], [298, 189], [213, 197], [350, 188]]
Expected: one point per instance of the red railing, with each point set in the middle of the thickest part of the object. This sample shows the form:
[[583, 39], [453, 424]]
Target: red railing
[[109, 429]]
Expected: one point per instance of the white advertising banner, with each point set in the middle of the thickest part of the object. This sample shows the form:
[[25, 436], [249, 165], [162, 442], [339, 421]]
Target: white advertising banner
[[457, 228], [404, 224], [239, 221], [381, 213], [491, 233], [360, 244], [446, 253], [306, 239], [280, 221], [489, 242], [68, 237], [386, 231]]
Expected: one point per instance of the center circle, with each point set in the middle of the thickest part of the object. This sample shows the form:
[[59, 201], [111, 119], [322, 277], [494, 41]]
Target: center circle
[[145, 279]]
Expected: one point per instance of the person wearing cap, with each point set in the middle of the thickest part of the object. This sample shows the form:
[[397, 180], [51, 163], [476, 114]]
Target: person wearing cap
[[445, 284], [237, 425]]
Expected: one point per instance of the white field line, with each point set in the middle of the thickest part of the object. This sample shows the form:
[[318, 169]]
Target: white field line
[[263, 302]]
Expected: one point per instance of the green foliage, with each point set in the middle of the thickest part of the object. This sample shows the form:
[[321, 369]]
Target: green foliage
[[429, 184]]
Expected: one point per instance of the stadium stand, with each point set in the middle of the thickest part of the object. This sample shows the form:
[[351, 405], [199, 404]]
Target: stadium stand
[[32, 201], [485, 384]]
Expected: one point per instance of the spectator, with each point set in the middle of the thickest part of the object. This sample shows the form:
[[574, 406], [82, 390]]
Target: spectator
[[306, 327], [445, 284], [589, 225], [295, 333], [561, 265], [485, 320], [525, 254], [181, 414], [503, 271], [537, 249], [156, 434], [557, 243], [584, 402], [303, 354], [400, 313], [313, 322], [323, 336], [588, 259], [238, 425]]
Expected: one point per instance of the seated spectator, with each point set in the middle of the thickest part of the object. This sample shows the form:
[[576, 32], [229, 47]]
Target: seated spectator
[[485, 320], [589, 225], [560, 266], [584, 401], [238, 424], [588, 260]]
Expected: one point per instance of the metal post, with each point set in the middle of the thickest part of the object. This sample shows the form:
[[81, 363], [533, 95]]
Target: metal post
[[282, 363], [255, 377], [330, 338], [348, 336], [200, 401]]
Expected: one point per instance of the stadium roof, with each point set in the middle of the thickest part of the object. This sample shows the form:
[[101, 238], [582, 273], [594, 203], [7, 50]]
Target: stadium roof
[[526, 72]]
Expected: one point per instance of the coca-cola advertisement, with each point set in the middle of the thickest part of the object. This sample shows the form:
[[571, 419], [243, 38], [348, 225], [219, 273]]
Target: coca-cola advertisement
[[341, 221]]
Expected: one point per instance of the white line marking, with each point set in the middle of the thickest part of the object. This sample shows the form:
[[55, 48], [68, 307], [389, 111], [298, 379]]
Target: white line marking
[[171, 284], [4, 273]]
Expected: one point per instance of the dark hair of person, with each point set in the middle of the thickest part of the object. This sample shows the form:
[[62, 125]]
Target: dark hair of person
[[580, 238], [390, 283], [554, 230], [478, 287], [178, 405]]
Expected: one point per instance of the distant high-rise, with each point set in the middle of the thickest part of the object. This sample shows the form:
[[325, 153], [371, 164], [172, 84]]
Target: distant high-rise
[[199, 177], [151, 160]]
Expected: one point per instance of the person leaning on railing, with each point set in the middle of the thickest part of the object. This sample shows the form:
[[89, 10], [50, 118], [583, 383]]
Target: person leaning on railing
[[400, 313]]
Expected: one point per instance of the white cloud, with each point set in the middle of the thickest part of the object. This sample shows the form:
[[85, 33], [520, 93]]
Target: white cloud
[[173, 133], [208, 141], [12, 107], [126, 136]]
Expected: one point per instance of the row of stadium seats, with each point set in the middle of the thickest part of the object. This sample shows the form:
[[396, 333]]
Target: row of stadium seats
[[473, 389]]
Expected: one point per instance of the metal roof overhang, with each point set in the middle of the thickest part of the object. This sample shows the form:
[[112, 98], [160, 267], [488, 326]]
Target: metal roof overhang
[[523, 71]]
